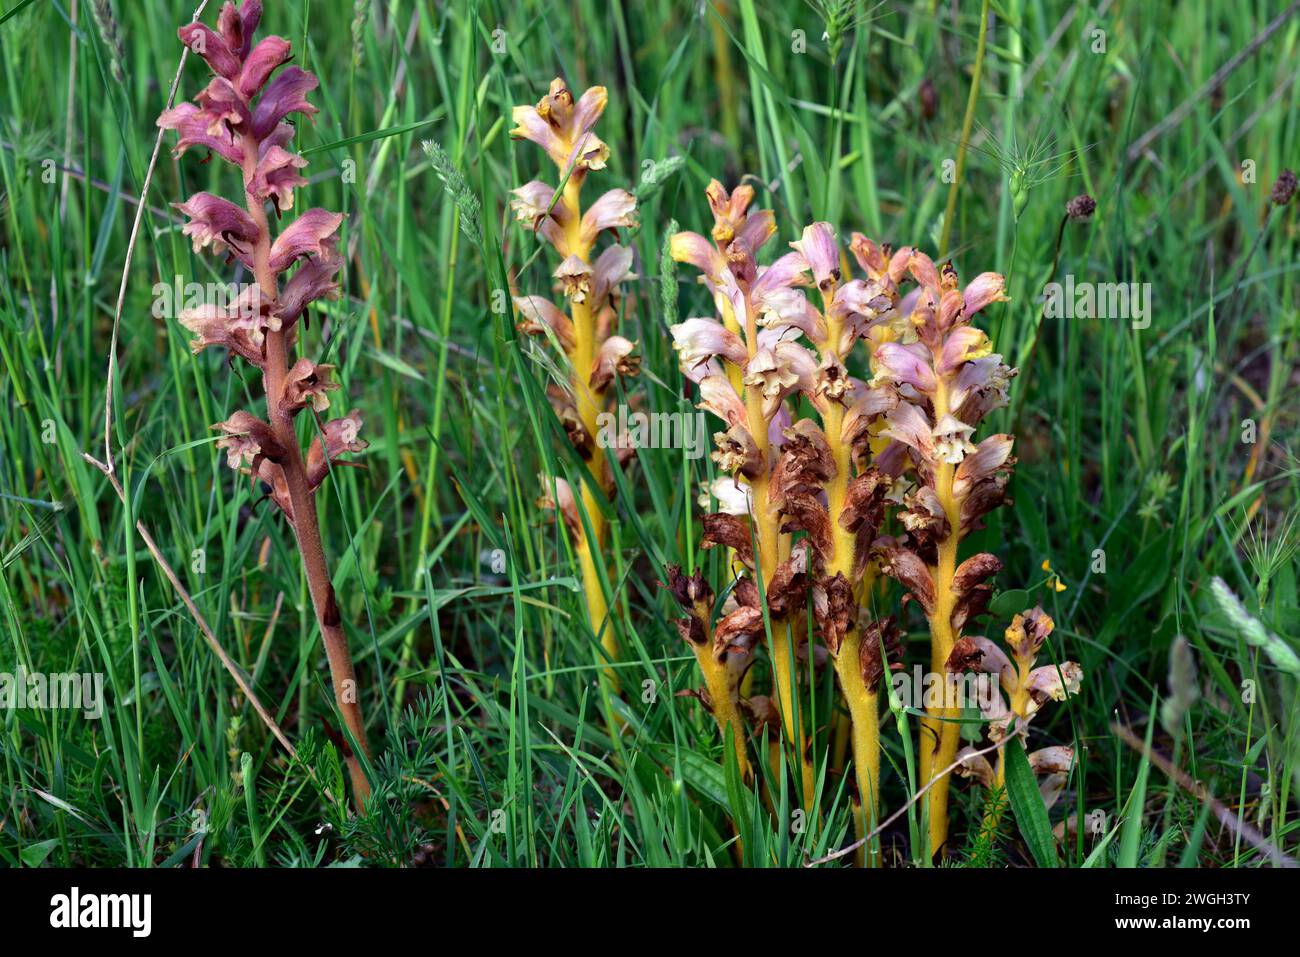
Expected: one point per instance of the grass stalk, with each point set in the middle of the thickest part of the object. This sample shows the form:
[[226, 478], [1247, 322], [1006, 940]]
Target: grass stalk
[[950, 210]]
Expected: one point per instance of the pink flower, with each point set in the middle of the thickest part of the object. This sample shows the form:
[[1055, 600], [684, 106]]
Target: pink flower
[[787, 314], [879, 263], [286, 94], [717, 395], [907, 365], [307, 384], [247, 440], [821, 254], [219, 223], [308, 235], [694, 249], [731, 217], [859, 305], [980, 387], [991, 456], [698, 340], [574, 275], [222, 107], [614, 210], [239, 326], [962, 345], [312, 280], [614, 358], [985, 289], [537, 208], [201, 128], [613, 267], [907, 424], [785, 272], [341, 437], [563, 128], [212, 47], [276, 177], [758, 228], [238, 24], [261, 62], [537, 314], [778, 371]]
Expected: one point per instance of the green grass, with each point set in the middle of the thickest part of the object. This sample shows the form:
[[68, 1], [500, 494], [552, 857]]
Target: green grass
[[478, 671]]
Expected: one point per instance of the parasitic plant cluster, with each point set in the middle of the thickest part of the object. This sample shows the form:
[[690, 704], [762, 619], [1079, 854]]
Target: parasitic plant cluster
[[747, 363], [589, 284], [881, 475], [243, 116], [1026, 689], [830, 483], [947, 379]]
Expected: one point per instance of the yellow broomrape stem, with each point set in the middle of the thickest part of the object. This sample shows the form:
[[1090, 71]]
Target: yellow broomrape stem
[[768, 555], [939, 737], [724, 706], [589, 404], [864, 712]]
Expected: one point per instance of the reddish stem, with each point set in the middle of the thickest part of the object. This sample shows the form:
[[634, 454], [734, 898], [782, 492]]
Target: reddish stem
[[305, 524]]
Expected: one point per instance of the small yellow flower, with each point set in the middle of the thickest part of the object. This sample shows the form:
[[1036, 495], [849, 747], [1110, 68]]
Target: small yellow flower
[[1053, 579]]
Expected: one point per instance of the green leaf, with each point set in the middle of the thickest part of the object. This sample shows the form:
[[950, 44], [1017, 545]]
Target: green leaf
[[1027, 805], [1009, 603], [374, 135], [397, 364], [705, 776], [15, 11], [738, 794], [1130, 840], [34, 855]]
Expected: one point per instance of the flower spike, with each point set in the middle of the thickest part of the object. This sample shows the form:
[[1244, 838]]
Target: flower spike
[[240, 116], [579, 322]]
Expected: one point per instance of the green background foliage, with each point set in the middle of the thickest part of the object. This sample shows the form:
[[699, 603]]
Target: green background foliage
[[477, 670]]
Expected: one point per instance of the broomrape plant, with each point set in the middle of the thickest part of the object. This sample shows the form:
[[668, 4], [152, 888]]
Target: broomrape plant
[[828, 488], [900, 442], [947, 379], [746, 365], [724, 651], [582, 332], [241, 116], [1027, 689], [795, 476]]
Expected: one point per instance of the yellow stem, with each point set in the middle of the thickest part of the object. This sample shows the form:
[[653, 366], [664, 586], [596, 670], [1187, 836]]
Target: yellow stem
[[864, 713], [722, 694], [1019, 706], [939, 738], [589, 403], [840, 742], [863, 708], [735, 375], [769, 553]]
